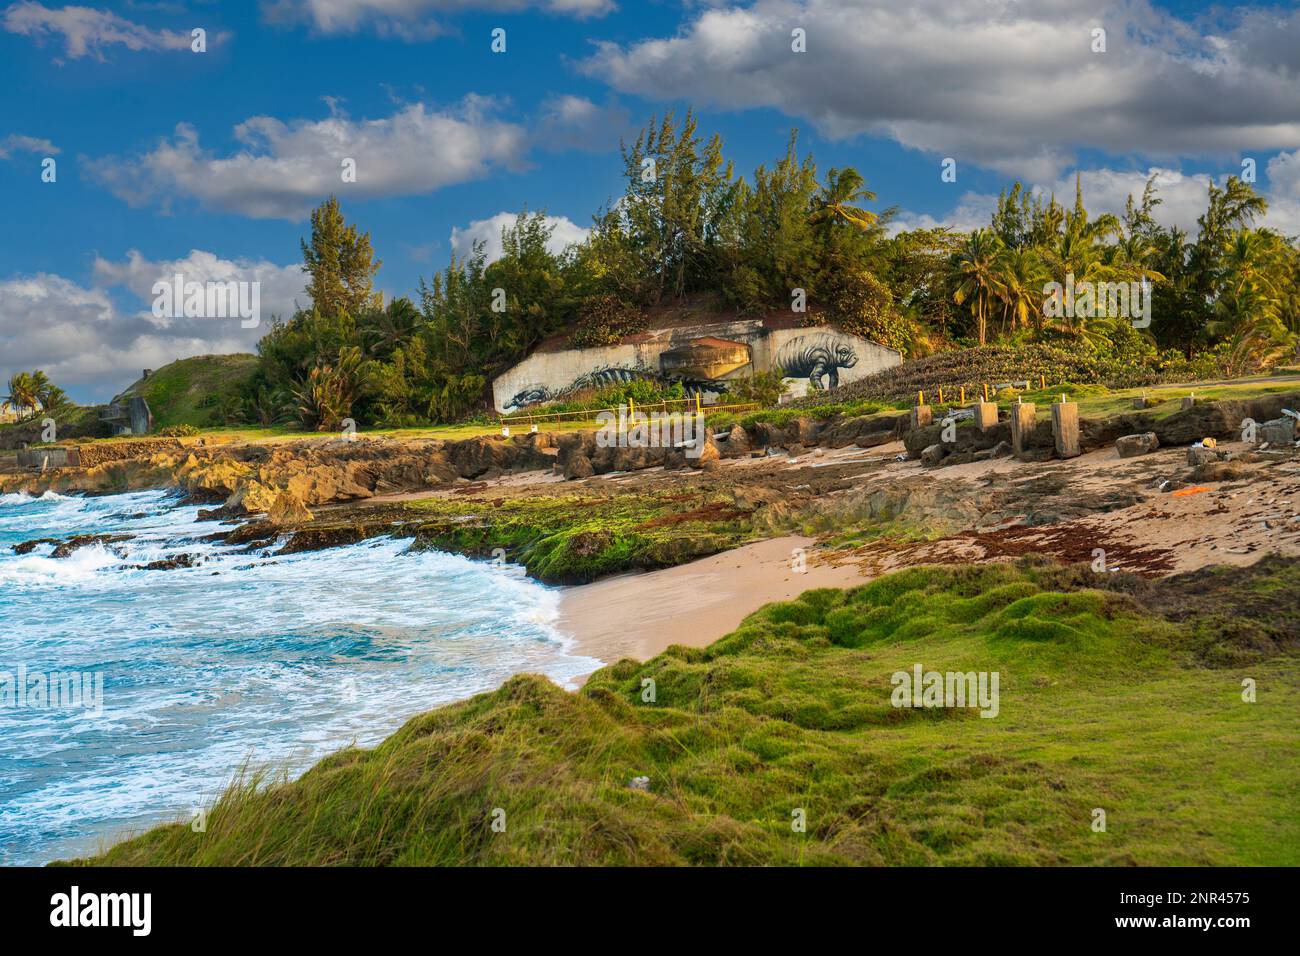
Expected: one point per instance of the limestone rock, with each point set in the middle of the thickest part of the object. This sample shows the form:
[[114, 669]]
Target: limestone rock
[[252, 496], [933, 454], [288, 509], [1218, 471], [737, 443], [1278, 431], [1130, 446], [474, 456], [578, 466], [708, 454], [767, 435], [805, 430]]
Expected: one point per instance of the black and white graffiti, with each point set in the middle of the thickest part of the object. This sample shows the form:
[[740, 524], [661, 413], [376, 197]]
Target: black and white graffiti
[[815, 357], [603, 378]]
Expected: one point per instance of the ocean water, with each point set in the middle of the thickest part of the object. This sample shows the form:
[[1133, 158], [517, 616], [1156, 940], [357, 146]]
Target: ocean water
[[246, 659]]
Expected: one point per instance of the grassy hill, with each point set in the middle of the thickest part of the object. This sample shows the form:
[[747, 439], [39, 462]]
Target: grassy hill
[[1126, 700], [189, 391]]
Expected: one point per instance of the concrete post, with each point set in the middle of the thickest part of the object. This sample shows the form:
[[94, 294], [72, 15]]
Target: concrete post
[[1065, 428], [921, 416], [1189, 402], [986, 415], [1023, 419]]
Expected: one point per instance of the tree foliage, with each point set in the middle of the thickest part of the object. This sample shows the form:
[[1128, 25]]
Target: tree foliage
[[688, 232]]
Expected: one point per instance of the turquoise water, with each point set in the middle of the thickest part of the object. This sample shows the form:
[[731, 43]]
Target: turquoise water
[[247, 657]]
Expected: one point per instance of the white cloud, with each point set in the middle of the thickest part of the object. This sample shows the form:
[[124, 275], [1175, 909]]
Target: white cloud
[[287, 168], [81, 338], [26, 144], [281, 287], [488, 231], [1008, 84], [89, 32], [410, 19], [1284, 174]]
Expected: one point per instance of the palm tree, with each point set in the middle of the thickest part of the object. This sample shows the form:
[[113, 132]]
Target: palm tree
[[977, 269], [386, 329], [23, 394], [835, 202], [1251, 301], [1135, 257], [1022, 276]]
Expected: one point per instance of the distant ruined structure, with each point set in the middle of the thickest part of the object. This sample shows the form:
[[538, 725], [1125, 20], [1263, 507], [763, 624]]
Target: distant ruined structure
[[704, 357], [131, 418]]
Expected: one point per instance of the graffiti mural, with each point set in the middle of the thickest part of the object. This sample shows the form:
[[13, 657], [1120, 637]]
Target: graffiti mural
[[815, 357], [603, 378], [704, 358]]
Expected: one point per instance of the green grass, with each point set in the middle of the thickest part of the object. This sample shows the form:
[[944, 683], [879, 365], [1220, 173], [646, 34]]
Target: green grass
[[188, 391], [576, 538], [1103, 704]]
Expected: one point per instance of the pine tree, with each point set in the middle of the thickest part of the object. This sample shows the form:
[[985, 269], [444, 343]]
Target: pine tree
[[341, 264]]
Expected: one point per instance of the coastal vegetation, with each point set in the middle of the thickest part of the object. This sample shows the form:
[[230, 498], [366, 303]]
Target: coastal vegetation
[[32, 394], [1115, 695], [202, 391], [690, 235], [690, 232]]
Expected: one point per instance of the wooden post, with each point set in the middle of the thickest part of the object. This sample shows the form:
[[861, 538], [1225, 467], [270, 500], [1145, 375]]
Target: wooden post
[[1023, 420], [962, 399], [1065, 428], [986, 415], [1042, 381], [940, 394]]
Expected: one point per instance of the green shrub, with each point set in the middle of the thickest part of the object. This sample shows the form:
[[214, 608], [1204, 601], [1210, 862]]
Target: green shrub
[[178, 431], [604, 320]]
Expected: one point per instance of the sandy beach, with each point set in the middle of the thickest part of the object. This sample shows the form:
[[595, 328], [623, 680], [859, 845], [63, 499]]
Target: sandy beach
[[639, 615]]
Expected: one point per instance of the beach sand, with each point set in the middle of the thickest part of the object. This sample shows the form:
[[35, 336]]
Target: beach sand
[[639, 615]]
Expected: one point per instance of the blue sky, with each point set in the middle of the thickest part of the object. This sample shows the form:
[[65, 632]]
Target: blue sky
[[211, 160]]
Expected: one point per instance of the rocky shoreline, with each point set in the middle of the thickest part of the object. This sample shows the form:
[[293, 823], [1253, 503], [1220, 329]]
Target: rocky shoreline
[[572, 511]]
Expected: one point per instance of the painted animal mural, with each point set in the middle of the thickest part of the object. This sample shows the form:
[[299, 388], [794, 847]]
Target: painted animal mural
[[603, 378], [815, 357]]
